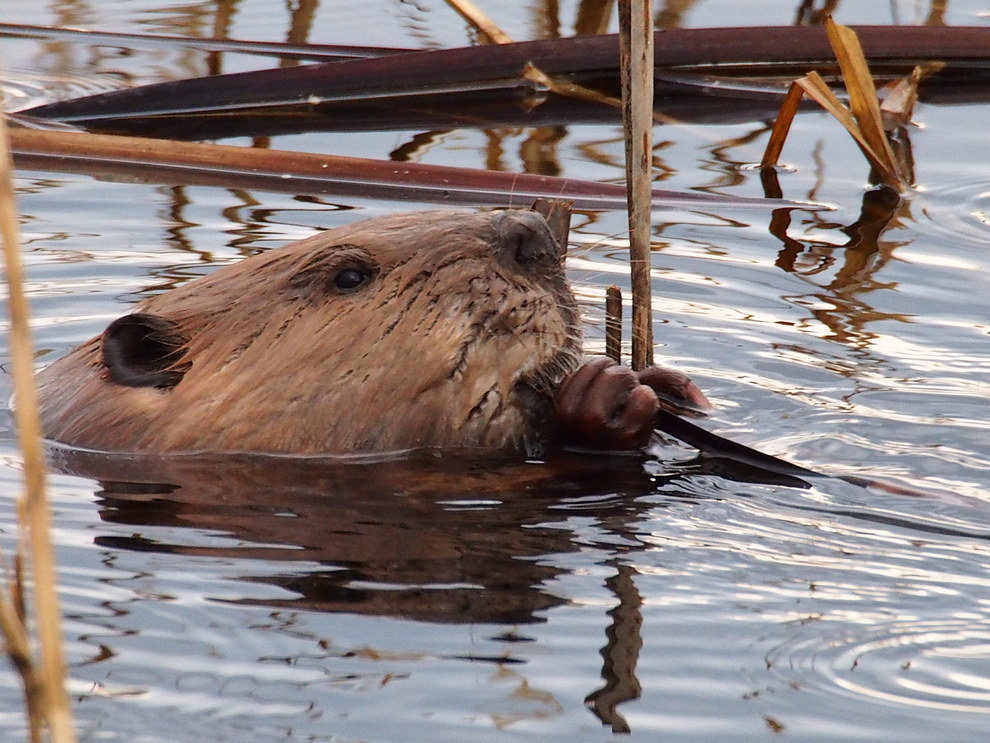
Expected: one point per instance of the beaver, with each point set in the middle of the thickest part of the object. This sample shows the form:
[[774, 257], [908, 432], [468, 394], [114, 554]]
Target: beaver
[[418, 330]]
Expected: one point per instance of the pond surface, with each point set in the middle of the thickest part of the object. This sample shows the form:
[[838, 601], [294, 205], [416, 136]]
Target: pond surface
[[448, 601]]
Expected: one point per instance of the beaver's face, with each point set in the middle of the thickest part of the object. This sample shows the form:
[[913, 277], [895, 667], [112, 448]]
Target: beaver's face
[[431, 329]]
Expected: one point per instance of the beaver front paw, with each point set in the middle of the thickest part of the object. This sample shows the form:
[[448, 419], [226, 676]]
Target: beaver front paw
[[603, 406]]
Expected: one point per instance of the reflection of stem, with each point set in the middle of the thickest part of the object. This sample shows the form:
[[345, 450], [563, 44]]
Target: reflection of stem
[[672, 13], [593, 17], [222, 21], [300, 25], [780, 220], [539, 150], [620, 652]]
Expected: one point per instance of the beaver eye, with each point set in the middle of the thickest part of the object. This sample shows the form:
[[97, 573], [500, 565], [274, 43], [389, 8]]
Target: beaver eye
[[351, 278]]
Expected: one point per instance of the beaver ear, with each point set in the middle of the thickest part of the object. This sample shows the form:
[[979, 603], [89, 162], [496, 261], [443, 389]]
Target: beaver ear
[[143, 350]]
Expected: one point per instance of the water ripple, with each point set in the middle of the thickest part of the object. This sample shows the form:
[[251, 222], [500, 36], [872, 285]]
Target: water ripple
[[938, 664]]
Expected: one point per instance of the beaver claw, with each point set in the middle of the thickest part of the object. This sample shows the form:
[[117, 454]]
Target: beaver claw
[[604, 405], [675, 391]]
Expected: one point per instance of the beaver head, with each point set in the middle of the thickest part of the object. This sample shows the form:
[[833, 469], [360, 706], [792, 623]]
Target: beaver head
[[433, 329]]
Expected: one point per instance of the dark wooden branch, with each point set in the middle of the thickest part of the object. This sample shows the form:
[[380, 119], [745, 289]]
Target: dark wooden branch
[[482, 86]]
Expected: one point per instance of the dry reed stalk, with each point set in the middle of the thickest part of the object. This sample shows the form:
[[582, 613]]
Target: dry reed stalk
[[33, 507], [636, 46]]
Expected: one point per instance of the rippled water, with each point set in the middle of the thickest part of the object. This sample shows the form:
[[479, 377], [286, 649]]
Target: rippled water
[[449, 600]]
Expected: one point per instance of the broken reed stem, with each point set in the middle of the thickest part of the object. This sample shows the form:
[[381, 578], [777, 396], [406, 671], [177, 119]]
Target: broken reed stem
[[33, 507], [613, 323], [782, 126], [636, 48]]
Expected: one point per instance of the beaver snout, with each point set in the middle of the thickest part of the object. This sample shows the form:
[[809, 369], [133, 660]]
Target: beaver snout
[[524, 239]]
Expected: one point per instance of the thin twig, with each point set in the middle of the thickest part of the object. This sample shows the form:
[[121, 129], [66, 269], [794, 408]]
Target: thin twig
[[782, 125]]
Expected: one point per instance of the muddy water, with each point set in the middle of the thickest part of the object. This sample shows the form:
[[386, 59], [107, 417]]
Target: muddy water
[[447, 600]]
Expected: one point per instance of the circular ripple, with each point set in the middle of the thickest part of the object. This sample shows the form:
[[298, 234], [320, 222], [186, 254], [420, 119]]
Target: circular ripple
[[960, 212], [930, 664]]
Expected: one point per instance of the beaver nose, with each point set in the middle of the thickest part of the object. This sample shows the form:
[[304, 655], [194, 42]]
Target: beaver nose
[[524, 238]]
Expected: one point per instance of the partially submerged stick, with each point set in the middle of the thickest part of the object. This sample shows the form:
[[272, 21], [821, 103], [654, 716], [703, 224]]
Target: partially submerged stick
[[167, 161], [613, 323]]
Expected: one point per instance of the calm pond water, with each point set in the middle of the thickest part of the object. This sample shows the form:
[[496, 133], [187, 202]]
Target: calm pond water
[[279, 600]]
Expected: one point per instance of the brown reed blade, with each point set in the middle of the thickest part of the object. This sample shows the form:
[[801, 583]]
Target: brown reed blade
[[782, 125], [818, 90], [862, 93]]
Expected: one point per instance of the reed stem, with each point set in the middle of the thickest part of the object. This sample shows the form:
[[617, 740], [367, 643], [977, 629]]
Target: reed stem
[[636, 46], [33, 507]]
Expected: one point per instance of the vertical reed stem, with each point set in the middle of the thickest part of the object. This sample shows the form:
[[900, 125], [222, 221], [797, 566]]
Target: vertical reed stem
[[34, 512], [613, 323], [636, 47]]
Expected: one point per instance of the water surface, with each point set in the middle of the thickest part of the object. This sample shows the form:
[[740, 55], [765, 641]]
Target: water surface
[[442, 601]]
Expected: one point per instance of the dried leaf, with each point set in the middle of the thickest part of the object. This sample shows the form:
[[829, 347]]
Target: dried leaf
[[862, 93], [818, 90], [898, 99]]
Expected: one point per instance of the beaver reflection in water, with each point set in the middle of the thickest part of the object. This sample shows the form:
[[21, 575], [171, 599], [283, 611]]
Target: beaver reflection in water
[[433, 329]]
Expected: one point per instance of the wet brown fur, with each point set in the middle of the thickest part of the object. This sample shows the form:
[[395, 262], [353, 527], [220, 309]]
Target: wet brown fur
[[451, 343]]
